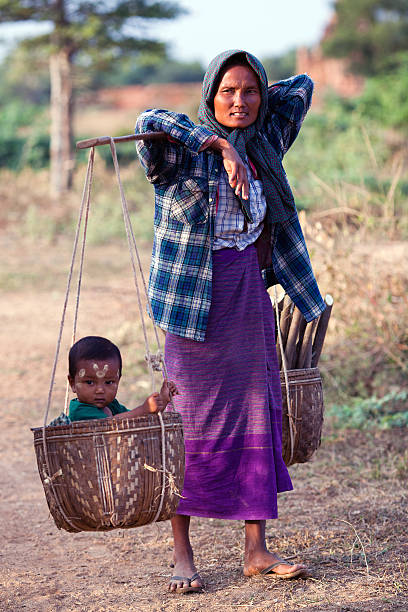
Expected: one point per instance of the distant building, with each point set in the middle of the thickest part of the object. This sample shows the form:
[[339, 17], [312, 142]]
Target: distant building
[[329, 74]]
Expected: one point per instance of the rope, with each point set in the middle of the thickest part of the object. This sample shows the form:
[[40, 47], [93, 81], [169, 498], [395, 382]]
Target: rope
[[154, 361], [64, 310], [285, 374], [133, 250], [81, 267]]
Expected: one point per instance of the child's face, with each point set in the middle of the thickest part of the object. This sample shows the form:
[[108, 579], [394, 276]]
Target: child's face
[[96, 381]]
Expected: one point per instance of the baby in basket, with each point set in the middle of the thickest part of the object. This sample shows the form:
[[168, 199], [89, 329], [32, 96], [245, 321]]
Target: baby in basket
[[95, 368]]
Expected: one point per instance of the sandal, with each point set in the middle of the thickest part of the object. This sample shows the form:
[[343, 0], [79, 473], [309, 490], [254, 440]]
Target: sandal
[[267, 571], [189, 588]]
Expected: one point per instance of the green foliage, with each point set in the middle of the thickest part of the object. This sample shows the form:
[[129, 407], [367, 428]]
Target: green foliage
[[280, 67], [385, 97], [25, 75], [148, 68], [371, 33], [371, 413], [23, 137], [331, 148]]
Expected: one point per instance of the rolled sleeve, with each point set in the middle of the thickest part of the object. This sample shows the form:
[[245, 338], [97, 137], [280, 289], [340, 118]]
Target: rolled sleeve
[[289, 101]]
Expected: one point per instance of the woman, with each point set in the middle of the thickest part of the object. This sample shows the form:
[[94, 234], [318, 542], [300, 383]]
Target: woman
[[225, 228]]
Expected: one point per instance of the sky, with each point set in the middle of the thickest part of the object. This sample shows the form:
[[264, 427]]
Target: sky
[[263, 27]]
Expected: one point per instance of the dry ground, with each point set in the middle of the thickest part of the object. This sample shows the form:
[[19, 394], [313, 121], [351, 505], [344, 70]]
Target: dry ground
[[347, 517]]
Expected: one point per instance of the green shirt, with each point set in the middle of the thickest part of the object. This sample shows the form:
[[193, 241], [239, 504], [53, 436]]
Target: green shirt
[[79, 411]]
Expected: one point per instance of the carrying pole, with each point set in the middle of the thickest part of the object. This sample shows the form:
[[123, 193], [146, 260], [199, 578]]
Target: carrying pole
[[106, 140]]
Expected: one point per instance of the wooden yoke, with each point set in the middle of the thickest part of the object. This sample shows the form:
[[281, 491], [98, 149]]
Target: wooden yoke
[[104, 140]]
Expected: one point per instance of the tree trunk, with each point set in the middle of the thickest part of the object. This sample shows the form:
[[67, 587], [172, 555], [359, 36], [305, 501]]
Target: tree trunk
[[61, 159]]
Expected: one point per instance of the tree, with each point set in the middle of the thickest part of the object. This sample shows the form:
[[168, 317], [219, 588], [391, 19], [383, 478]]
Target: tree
[[280, 67], [94, 33], [373, 34]]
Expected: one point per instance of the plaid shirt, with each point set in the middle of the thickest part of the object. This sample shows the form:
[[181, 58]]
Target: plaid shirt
[[230, 221], [186, 182]]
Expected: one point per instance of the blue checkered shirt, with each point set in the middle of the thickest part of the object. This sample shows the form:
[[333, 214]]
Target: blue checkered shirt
[[186, 183]]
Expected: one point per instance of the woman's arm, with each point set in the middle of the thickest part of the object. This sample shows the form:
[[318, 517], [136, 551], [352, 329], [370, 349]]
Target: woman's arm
[[160, 160], [234, 166], [288, 102]]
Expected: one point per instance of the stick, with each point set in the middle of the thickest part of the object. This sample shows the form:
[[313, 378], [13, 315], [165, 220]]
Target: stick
[[299, 343], [278, 303], [285, 318], [321, 330], [104, 140], [305, 353], [290, 349]]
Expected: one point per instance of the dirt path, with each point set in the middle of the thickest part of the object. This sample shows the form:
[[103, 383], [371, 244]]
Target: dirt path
[[356, 486]]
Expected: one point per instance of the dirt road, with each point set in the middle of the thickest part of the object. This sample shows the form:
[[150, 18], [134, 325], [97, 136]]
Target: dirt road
[[347, 517]]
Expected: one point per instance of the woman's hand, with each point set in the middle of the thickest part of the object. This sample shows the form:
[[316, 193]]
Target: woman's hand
[[234, 166]]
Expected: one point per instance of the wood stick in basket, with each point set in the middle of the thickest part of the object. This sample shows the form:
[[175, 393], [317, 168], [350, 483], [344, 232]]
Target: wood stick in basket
[[290, 349], [286, 318], [321, 331], [279, 303], [299, 343], [104, 140], [305, 354]]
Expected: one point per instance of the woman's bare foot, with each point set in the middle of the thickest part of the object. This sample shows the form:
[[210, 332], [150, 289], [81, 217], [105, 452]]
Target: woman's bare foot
[[257, 562], [184, 569], [258, 559]]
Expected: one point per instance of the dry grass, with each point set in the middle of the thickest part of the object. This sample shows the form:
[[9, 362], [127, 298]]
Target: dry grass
[[366, 350]]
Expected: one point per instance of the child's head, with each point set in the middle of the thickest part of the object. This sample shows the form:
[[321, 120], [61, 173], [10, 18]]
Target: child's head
[[95, 368]]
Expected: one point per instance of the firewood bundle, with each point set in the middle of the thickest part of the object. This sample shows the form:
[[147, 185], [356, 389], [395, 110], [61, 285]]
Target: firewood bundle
[[302, 342]]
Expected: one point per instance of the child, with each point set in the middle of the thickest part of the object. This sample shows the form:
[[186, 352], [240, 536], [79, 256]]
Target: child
[[95, 368]]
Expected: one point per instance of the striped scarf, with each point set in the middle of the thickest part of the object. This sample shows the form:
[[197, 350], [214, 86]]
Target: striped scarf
[[251, 141]]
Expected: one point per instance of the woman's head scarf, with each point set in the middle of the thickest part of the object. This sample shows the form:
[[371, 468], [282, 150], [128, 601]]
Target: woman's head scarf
[[250, 141]]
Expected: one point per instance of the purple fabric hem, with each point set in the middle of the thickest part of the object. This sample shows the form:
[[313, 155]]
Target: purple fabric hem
[[232, 517]]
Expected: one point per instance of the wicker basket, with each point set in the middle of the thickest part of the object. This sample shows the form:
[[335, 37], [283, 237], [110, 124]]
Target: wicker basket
[[107, 473], [306, 415]]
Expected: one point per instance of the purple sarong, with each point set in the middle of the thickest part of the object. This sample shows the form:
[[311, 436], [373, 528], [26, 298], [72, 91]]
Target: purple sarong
[[230, 398]]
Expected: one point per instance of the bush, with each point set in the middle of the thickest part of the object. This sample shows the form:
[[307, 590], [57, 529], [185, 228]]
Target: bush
[[385, 98], [371, 413], [24, 139]]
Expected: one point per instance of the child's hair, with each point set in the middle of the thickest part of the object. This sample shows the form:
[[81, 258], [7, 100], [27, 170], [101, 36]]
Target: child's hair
[[92, 347]]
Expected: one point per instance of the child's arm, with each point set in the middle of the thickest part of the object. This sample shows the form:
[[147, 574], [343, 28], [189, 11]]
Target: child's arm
[[156, 402]]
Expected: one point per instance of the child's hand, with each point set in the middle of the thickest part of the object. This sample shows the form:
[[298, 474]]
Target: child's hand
[[167, 390], [171, 387], [154, 403], [157, 402]]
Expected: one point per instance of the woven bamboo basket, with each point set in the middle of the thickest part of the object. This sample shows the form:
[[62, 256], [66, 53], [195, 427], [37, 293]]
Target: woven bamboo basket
[[107, 473], [302, 422]]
